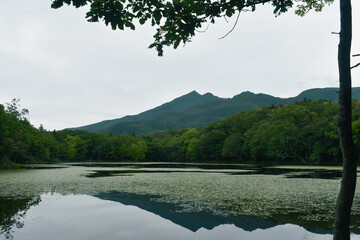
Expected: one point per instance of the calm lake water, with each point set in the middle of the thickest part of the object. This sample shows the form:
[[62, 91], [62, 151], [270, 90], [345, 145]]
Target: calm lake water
[[169, 201]]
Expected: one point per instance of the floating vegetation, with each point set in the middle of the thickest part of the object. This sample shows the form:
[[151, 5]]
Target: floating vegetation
[[286, 197]]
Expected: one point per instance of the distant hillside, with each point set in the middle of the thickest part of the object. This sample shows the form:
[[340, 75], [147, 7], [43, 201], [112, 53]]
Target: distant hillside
[[194, 110], [145, 122]]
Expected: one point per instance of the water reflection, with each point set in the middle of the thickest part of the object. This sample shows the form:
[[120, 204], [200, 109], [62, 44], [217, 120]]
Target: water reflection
[[192, 221], [12, 213], [128, 216], [232, 169]]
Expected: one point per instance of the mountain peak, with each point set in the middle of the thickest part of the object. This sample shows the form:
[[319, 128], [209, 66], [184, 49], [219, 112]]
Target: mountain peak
[[209, 94], [195, 96], [245, 94], [193, 93]]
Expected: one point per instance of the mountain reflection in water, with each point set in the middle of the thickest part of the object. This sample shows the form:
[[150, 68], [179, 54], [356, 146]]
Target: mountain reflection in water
[[193, 220], [129, 216]]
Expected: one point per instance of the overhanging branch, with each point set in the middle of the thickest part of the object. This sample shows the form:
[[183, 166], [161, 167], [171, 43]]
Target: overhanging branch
[[237, 19], [355, 55], [203, 31], [355, 66]]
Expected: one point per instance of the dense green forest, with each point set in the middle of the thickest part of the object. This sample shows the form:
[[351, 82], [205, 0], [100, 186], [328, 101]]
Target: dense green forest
[[302, 133]]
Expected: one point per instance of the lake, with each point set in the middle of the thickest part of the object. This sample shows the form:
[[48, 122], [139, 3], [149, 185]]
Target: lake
[[170, 200]]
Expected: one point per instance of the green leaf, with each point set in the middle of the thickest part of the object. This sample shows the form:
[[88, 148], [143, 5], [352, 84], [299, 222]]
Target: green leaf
[[229, 12], [157, 16], [132, 26], [142, 21], [177, 42], [57, 4], [113, 25]]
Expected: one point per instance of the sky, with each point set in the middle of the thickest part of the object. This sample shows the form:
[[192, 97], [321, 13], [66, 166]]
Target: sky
[[68, 72]]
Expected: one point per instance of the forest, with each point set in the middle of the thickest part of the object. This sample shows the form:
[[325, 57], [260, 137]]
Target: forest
[[301, 133]]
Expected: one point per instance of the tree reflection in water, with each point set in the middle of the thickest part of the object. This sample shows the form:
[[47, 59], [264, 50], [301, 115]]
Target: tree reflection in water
[[12, 213]]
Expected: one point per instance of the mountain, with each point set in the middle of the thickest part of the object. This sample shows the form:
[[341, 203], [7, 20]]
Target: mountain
[[194, 110], [162, 117]]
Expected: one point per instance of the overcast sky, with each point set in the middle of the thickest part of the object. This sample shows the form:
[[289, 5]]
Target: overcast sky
[[69, 72]]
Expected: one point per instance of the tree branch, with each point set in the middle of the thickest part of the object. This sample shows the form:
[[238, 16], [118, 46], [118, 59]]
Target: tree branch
[[356, 55], [202, 31], [355, 66], [237, 19]]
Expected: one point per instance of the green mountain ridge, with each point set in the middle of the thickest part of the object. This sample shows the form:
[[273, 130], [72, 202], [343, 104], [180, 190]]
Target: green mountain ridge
[[194, 110]]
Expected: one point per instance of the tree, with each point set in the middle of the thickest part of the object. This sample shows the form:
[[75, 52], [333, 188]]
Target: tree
[[348, 183], [12, 108], [177, 21]]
